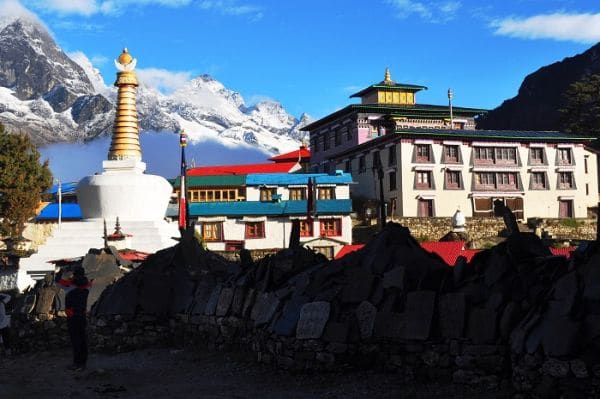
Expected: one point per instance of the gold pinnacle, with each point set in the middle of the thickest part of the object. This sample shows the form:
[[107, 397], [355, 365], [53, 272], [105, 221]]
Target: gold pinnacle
[[125, 143]]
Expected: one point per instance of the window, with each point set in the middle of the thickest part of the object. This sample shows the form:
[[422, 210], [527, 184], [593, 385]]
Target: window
[[362, 165], [425, 207], [255, 230], [496, 181], [453, 180], [566, 180], [422, 153], [484, 155], [212, 231], [348, 133], [313, 145], [326, 193], [327, 251], [506, 181], [306, 228], [392, 155], [585, 164], [331, 227], [538, 181], [207, 195], [451, 154], [484, 180], [423, 180], [266, 193], [376, 160], [297, 194], [326, 141], [338, 137], [506, 155], [392, 181], [536, 156], [564, 156], [348, 166]]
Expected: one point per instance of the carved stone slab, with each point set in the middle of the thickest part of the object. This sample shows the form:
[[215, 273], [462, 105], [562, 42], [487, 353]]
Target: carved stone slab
[[211, 305], [365, 314], [287, 322], [266, 305], [225, 300], [313, 317]]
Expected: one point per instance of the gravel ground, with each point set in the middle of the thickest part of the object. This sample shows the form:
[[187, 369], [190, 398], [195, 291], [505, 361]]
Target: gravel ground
[[164, 373]]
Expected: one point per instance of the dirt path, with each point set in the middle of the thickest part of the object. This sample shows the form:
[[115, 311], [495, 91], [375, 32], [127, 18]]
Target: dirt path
[[163, 373]]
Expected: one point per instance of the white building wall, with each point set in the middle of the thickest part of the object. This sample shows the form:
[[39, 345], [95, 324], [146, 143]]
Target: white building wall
[[536, 203], [277, 233]]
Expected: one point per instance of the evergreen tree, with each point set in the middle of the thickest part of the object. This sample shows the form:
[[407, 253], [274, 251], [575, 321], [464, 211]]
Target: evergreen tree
[[23, 179], [581, 113]]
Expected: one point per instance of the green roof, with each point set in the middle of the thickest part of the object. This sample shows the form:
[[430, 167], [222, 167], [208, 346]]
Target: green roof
[[213, 181], [393, 87], [518, 135]]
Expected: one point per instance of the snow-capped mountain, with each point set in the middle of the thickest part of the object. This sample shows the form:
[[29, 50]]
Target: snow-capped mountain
[[60, 98]]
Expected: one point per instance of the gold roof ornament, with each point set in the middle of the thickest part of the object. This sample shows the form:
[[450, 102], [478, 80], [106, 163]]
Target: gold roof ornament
[[125, 142], [387, 80]]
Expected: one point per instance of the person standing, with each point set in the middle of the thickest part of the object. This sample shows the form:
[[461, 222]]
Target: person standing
[[76, 294], [5, 323]]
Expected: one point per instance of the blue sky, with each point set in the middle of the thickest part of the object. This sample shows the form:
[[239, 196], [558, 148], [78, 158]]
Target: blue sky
[[311, 55]]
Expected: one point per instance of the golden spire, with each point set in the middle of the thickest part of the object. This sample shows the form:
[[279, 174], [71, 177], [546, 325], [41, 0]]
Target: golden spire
[[125, 143], [387, 80]]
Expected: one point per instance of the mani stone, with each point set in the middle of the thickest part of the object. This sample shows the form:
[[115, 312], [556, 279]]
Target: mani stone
[[238, 300], [287, 322], [365, 314], [452, 315], [265, 308], [313, 317], [418, 315], [225, 300], [248, 303], [394, 278], [211, 305]]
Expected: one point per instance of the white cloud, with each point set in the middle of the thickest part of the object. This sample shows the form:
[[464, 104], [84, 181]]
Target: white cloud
[[582, 28], [162, 79], [12, 9], [89, 7], [432, 11], [258, 98], [232, 7]]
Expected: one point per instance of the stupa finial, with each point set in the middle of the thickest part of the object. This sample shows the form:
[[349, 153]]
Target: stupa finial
[[125, 142], [388, 77]]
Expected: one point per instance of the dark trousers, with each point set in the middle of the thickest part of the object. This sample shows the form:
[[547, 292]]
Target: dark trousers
[[76, 326], [5, 332]]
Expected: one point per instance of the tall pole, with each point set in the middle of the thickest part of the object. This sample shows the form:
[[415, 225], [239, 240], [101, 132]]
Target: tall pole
[[59, 204], [381, 196], [450, 95], [183, 203]]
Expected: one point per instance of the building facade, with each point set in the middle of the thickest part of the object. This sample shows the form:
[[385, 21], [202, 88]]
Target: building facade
[[256, 211], [434, 162]]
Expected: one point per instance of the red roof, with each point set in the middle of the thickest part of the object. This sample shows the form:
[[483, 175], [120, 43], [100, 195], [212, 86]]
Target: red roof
[[346, 249], [301, 154], [134, 256], [276, 167], [566, 251], [449, 251]]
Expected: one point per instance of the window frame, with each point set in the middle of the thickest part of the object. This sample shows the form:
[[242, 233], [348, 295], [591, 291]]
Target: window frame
[[335, 230], [293, 191], [218, 230], [254, 230], [449, 184]]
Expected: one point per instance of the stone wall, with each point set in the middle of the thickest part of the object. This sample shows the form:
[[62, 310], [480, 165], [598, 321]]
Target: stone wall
[[38, 233], [483, 229]]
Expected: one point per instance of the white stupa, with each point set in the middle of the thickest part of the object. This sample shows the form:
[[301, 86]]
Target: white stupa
[[121, 191]]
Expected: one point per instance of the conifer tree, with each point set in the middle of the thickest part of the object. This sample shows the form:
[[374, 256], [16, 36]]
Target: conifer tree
[[23, 179], [581, 113]]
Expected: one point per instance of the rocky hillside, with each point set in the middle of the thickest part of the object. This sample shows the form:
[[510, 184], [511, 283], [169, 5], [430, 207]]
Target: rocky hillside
[[541, 95], [59, 99]]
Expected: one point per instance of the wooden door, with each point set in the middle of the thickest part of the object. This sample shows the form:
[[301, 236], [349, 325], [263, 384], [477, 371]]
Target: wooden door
[[565, 208], [425, 208]]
